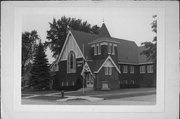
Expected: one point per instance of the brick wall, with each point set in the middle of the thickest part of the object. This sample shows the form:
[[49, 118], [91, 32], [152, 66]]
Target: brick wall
[[113, 80], [63, 76]]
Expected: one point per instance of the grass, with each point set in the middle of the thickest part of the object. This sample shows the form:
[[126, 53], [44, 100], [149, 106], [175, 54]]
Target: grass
[[39, 92], [49, 98]]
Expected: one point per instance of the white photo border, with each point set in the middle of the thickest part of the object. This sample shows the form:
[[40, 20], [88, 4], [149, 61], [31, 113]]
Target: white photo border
[[167, 72]]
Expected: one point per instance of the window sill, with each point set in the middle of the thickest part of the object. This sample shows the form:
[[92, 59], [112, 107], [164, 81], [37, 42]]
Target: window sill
[[142, 72]]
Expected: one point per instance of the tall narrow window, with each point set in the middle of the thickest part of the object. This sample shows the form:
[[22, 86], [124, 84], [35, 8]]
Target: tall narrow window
[[125, 69], [142, 69], [108, 70], [95, 50], [113, 49], [97, 45], [131, 69], [71, 63], [109, 48], [150, 69], [99, 49]]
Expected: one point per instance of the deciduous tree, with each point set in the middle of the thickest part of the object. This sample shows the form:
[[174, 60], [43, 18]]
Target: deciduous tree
[[151, 47], [57, 33], [29, 43]]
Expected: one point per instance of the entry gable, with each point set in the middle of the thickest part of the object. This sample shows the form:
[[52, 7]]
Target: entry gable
[[70, 44], [108, 63], [86, 68]]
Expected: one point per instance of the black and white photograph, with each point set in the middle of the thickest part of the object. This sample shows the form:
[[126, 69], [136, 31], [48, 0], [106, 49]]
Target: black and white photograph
[[95, 59], [92, 56]]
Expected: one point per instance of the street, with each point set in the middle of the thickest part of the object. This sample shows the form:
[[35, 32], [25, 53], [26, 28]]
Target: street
[[138, 96]]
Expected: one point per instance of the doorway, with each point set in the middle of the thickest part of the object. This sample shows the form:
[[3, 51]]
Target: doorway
[[89, 80]]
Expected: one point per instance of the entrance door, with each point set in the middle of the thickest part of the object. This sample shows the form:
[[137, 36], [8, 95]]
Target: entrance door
[[89, 81]]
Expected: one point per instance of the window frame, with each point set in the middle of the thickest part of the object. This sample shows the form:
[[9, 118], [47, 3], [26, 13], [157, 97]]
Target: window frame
[[142, 69], [108, 70], [99, 49], [125, 71], [95, 50], [132, 69], [149, 68], [109, 48], [113, 49], [71, 66]]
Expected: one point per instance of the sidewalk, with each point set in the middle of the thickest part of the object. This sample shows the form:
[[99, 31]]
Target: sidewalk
[[93, 97]]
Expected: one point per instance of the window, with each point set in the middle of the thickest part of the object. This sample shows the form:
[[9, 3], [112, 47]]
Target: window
[[131, 69], [62, 84], [113, 49], [71, 63], [95, 50], [99, 49], [142, 69], [125, 69], [109, 48], [150, 69], [108, 70], [66, 83], [119, 67]]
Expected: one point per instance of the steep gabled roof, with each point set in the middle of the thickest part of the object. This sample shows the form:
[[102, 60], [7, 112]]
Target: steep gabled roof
[[83, 38], [127, 51], [104, 31], [112, 61]]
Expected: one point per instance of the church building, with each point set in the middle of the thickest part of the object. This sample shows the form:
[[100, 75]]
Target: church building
[[101, 62]]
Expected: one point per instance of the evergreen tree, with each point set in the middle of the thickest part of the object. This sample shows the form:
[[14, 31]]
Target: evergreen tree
[[40, 76]]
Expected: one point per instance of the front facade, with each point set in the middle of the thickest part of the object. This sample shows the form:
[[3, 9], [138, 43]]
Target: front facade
[[101, 62]]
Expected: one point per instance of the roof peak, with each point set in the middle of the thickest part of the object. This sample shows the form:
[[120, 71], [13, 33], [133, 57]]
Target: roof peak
[[104, 31]]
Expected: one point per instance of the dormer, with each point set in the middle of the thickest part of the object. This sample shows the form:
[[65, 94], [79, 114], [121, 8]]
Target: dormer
[[103, 47]]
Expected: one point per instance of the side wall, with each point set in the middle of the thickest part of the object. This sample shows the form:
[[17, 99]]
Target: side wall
[[137, 79], [68, 81], [129, 80], [113, 80], [147, 79]]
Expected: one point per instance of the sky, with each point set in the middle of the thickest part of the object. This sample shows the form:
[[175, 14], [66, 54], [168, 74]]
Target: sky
[[132, 24]]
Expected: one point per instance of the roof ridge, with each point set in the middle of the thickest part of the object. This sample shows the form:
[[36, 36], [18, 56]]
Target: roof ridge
[[84, 32], [123, 39]]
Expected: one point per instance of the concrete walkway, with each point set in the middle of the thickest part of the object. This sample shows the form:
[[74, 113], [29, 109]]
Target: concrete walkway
[[88, 98]]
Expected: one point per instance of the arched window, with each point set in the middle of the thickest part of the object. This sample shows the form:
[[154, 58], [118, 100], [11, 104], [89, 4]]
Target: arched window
[[71, 63]]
